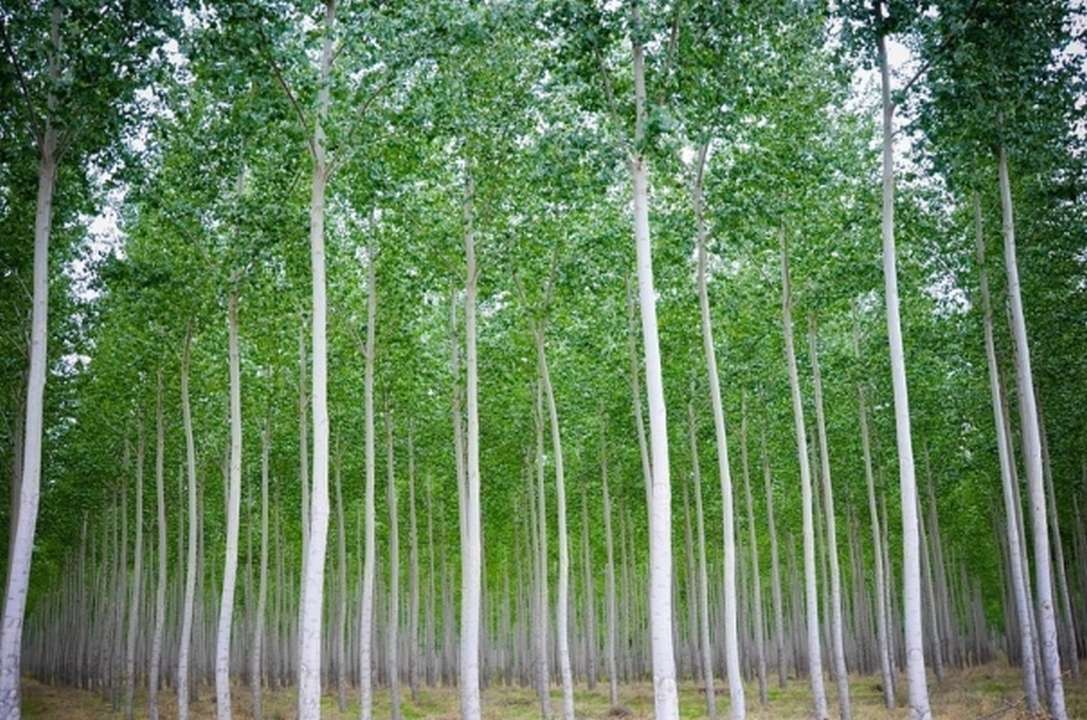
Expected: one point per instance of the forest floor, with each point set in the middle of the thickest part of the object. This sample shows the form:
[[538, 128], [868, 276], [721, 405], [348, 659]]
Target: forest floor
[[990, 692]]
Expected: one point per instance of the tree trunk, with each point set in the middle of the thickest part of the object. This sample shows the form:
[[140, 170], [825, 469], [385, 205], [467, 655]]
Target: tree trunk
[[911, 544], [413, 602], [703, 581], [26, 517], [366, 602], [309, 661], [1032, 455], [160, 588], [882, 620], [185, 641], [230, 565], [841, 673], [471, 574], [775, 576], [137, 576], [756, 581], [563, 598], [732, 648], [609, 579], [811, 600], [256, 651], [392, 626]]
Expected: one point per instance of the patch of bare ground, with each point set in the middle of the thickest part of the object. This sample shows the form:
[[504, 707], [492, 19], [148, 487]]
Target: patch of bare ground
[[990, 692]]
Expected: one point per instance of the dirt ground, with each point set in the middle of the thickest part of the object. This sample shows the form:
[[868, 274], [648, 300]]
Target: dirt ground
[[986, 693]]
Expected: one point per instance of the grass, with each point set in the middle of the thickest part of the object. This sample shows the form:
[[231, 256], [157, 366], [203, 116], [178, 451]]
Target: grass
[[991, 692]]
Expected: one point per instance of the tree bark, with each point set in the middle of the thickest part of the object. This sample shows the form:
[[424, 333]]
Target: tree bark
[[160, 587], [137, 577], [1032, 455], [811, 600], [366, 602], [841, 673], [230, 565], [911, 544], [392, 626], [256, 651], [185, 642], [703, 580]]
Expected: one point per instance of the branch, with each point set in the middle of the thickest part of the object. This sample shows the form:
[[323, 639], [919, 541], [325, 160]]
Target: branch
[[20, 76], [278, 73], [363, 109], [944, 45]]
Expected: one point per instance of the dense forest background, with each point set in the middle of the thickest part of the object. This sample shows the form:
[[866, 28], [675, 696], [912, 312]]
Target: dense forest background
[[349, 352]]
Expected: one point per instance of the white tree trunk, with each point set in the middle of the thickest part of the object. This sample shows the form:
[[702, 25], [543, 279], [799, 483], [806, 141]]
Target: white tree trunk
[[775, 575], [811, 599], [26, 517], [703, 580], [185, 641], [392, 627], [137, 578], [1032, 456], [257, 648], [841, 673], [366, 603], [471, 574], [911, 544], [230, 565], [756, 581], [563, 598], [309, 661], [609, 579], [160, 587], [882, 620], [732, 648]]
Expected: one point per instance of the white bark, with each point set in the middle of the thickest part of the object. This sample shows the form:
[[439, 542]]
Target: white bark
[[137, 578], [26, 517], [309, 661], [1032, 456], [732, 648], [775, 575], [392, 627], [841, 673], [703, 581], [185, 641], [256, 650], [366, 603], [911, 544], [882, 619], [756, 581], [160, 587], [609, 579], [230, 565], [811, 599], [471, 574], [563, 598]]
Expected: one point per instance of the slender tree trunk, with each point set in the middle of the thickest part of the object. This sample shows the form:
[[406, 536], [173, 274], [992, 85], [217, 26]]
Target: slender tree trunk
[[392, 627], [665, 691], [756, 581], [811, 600], [160, 587], [609, 578], [732, 649], [1032, 455], [882, 620], [590, 595], [185, 641], [341, 591], [471, 574], [230, 565], [26, 518], [563, 598], [703, 581], [366, 602], [775, 576], [137, 576], [309, 661], [413, 602], [841, 673], [911, 543], [257, 649]]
